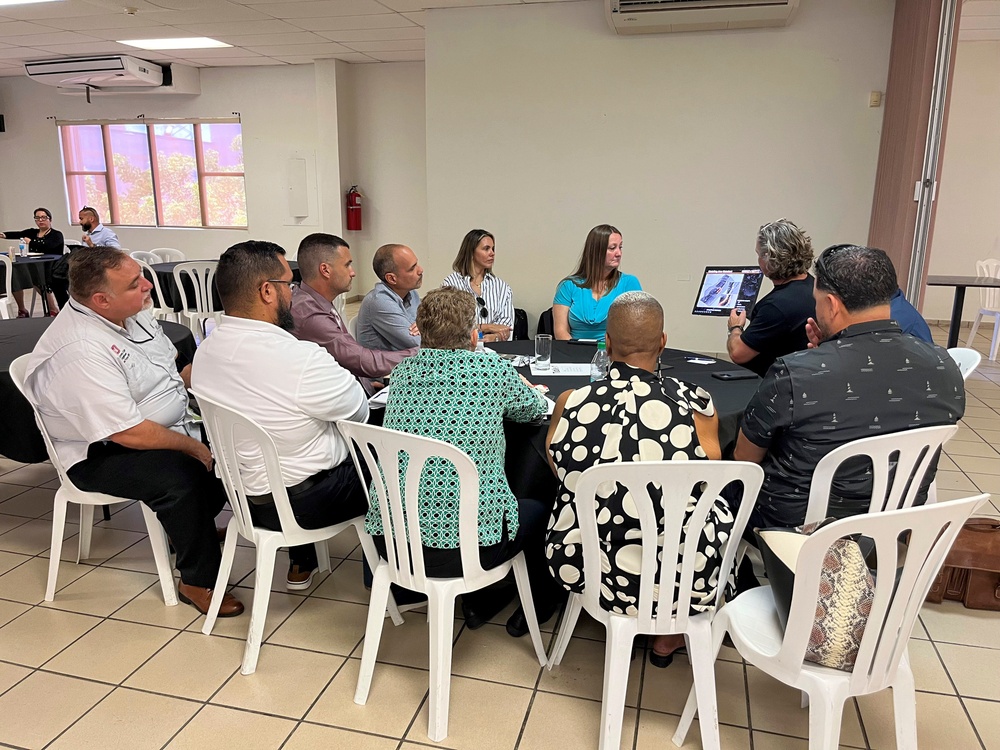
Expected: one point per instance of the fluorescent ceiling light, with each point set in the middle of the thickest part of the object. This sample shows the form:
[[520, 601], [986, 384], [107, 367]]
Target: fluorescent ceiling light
[[197, 42], [24, 2]]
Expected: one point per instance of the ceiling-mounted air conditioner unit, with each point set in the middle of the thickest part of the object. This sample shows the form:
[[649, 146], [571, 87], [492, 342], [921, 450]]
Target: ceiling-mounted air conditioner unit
[[114, 74], [659, 16]]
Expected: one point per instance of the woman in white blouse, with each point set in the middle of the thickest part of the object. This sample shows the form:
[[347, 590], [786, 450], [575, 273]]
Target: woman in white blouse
[[474, 274]]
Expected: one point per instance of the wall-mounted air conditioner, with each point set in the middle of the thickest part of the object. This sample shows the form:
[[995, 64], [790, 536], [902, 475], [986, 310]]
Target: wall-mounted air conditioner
[[658, 16], [114, 74]]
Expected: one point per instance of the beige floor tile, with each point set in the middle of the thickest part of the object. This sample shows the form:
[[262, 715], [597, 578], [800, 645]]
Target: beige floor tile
[[667, 689], [11, 674], [190, 666], [39, 634], [990, 436], [124, 516], [31, 475], [941, 722], [345, 583], [149, 608], [10, 610], [312, 737], [966, 435], [946, 463], [986, 717], [244, 564], [768, 741], [279, 607], [286, 682], [975, 410], [240, 729], [978, 464], [111, 651], [955, 480], [138, 557], [980, 423], [408, 644], [945, 495], [32, 537], [10, 560], [128, 719], [974, 670], [928, 672], [323, 625], [344, 544], [951, 622], [104, 544], [491, 654], [26, 582], [7, 491], [562, 721], [581, 673], [986, 483], [481, 716], [656, 731], [32, 503], [775, 707], [41, 716], [101, 591], [393, 700], [980, 449], [7, 465]]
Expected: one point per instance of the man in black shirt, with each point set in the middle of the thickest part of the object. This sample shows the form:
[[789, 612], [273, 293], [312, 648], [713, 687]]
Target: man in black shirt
[[778, 322], [866, 378]]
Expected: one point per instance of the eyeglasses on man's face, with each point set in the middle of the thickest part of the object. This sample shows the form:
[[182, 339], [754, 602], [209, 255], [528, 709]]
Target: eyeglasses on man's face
[[292, 285]]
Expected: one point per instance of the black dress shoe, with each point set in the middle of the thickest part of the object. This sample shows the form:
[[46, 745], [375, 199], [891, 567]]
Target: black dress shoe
[[517, 624]]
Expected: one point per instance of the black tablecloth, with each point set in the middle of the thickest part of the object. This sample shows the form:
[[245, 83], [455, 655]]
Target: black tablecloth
[[20, 439], [28, 272], [171, 297]]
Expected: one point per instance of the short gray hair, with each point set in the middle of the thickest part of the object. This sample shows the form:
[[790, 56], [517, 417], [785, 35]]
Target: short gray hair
[[635, 303]]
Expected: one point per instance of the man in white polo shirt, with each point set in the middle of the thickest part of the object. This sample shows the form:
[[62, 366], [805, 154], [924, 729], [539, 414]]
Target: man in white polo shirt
[[104, 379], [293, 389]]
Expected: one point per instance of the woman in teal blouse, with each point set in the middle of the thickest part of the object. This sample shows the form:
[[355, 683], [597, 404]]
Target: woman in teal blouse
[[580, 307], [450, 393]]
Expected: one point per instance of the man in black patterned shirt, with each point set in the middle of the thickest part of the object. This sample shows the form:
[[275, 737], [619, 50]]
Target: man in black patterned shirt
[[861, 376]]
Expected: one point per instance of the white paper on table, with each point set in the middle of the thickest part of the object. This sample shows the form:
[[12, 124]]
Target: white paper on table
[[550, 404], [576, 369], [379, 400]]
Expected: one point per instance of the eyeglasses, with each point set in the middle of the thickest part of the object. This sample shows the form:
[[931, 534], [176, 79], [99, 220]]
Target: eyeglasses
[[483, 312], [821, 269], [292, 285], [42, 217]]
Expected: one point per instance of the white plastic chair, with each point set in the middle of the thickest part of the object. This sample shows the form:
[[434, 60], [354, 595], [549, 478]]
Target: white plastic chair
[[989, 305], [169, 254], [752, 619], [352, 327], [202, 278], [379, 449], [908, 453], [966, 359], [679, 480], [340, 304], [227, 429], [146, 257], [8, 308], [160, 313], [69, 493]]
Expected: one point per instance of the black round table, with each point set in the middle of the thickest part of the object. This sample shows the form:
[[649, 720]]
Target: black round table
[[20, 439], [30, 271], [172, 298]]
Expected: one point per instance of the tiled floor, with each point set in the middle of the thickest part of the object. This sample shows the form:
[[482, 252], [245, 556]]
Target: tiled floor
[[106, 665]]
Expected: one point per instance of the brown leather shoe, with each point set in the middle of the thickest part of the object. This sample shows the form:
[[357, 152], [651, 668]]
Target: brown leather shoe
[[201, 598]]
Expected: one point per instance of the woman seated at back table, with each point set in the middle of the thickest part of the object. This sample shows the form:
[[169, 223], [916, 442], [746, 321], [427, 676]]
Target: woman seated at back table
[[473, 273], [448, 392], [633, 415], [42, 238], [580, 307]]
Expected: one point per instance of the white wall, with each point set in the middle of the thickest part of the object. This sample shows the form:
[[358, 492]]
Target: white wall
[[383, 152], [967, 225], [280, 121], [542, 123]]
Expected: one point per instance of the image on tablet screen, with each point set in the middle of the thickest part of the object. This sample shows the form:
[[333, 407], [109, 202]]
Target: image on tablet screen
[[725, 288]]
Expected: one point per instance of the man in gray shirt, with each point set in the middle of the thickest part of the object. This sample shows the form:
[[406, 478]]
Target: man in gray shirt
[[388, 314]]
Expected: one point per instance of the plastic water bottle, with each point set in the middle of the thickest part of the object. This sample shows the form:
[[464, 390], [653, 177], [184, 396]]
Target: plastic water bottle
[[599, 364], [480, 349], [22, 249]]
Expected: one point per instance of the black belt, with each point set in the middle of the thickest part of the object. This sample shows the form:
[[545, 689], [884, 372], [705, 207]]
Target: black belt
[[298, 489]]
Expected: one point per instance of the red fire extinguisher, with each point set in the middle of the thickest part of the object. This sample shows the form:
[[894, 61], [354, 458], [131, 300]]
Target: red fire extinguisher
[[354, 209]]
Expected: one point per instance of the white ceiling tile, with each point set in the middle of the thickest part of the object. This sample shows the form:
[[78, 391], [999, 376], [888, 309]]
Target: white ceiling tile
[[405, 6], [208, 54], [325, 49], [237, 62], [411, 56], [321, 8], [222, 14], [374, 35], [90, 48], [63, 9], [11, 72], [193, 4], [22, 28], [407, 45], [291, 37], [306, 59], [53, 37], [146, 32], [102, 25], [333, 23], [418, 17], [22, 53], [273, 26]]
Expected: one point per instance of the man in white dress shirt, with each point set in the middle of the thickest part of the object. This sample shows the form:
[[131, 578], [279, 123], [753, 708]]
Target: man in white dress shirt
[[293, 389], [94, 232]]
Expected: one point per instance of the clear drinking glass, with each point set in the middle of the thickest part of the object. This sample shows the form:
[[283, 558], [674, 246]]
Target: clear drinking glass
[[543, 351]]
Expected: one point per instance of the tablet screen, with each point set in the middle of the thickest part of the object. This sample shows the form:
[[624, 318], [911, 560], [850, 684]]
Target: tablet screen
[[726, 287]]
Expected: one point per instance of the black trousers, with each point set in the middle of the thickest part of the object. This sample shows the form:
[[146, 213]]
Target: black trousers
[[532, 517], [184, 495], [337, 498]]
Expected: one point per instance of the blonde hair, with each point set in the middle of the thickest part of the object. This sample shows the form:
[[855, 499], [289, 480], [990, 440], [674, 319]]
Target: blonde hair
[[446, 317], [787, 250]]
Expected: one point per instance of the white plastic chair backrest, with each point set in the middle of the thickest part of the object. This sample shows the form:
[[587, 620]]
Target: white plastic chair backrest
[[966, 359], [18, 370], [150, 274], [5, 303], [910, 452], [233, 435], [146, 257], [169, 254], [932, 530], [382, 451], [352, 327], [989, 299], [679, 481], [202, 275], [339, 304]]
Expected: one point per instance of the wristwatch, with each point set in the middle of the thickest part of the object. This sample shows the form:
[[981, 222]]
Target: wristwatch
[[733, 328]]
